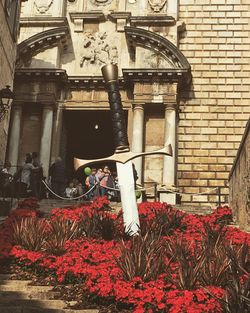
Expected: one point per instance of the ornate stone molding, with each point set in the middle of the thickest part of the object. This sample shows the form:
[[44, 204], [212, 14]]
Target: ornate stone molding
[[79, 18], [48, 74], [43, 21], [46, 39], [154, 75], [90, 82], [121, 18], [153, 19], [147, 39]]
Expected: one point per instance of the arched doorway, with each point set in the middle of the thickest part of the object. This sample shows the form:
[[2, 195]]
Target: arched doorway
[[89, 135]]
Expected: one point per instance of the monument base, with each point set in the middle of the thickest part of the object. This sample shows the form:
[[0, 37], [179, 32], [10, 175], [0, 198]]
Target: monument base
[[167, 197]]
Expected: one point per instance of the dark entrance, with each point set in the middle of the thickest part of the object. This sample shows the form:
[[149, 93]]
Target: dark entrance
[[88, 134]]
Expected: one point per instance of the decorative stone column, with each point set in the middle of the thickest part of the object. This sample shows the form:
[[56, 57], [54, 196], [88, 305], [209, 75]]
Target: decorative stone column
[[169, 164], [14, 137], [57, 131], [137, 137], [46, 138]]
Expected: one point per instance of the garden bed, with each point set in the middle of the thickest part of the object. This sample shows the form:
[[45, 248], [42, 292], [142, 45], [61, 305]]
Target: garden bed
[[178, 263]]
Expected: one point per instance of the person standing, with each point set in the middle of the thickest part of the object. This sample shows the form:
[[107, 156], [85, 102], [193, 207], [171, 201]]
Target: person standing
[[36, 176], [6, 180], [26, 173], [57, 174], [90, 183], [105, 181]]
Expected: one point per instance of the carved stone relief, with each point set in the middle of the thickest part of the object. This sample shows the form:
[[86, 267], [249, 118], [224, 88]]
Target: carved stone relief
[[43, 6], [152, 59], [101, 2], [98, 50], [157, 5]]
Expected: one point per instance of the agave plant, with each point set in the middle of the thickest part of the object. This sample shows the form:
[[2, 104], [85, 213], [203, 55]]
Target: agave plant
[[169, 220], [189, 265], [240, 256], [213, 236], [237, 296], [143, 256], [216, 267], [30, 233], [60, 232]]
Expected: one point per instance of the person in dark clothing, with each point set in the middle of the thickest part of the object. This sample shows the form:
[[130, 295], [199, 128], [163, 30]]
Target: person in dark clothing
[[58, 176], [36, 180]]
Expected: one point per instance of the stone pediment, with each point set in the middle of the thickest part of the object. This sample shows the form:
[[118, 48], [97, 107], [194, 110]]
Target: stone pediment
[[159, 46], [41, 41]]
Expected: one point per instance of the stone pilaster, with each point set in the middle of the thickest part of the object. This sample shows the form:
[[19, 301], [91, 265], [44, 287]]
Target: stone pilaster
[[169, 163], [46, 138], [57, 132], [137, 137]]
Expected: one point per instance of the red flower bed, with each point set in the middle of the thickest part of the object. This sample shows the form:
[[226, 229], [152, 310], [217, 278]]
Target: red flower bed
[[92, 262]]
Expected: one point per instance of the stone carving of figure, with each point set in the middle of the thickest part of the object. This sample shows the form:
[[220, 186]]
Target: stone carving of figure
[[157, 5], [43, 6], [98, 50], [113, 54], [88, 53]]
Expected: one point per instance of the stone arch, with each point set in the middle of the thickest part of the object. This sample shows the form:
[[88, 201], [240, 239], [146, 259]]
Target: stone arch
[[147, 39], [40, 42]]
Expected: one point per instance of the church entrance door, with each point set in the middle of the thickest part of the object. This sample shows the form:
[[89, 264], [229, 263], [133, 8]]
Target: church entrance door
[[88, 135]]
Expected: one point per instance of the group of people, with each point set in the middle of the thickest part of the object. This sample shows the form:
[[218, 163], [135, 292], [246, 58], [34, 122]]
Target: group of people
[[29, 177], [25, 181], [102, 182]]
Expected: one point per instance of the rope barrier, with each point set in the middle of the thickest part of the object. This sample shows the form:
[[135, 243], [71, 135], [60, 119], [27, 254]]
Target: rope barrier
[[117, 189], [65, 198], [190, 194]]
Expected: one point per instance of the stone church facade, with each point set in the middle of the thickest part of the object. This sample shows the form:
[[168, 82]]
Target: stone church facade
[[184, 78]]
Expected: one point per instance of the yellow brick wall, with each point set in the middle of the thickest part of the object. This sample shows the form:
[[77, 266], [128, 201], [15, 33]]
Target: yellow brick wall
[[215, 109]]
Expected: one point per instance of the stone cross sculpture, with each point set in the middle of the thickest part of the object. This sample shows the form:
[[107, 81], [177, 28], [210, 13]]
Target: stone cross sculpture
[[122, 155]]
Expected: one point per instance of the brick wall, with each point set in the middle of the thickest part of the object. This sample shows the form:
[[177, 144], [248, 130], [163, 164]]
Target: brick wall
[[214, 111], [7, 63]]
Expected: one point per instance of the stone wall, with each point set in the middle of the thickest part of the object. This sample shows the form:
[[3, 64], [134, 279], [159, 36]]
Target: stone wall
[[215, 109], [239, 182], [7, 67]]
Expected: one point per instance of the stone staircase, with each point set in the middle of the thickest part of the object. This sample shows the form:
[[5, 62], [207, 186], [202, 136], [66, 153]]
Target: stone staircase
[[19, 296], [46, 205]]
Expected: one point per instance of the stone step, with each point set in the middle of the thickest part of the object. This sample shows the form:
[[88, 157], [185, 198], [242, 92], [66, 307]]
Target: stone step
[[19, 296], [14, 282], [25, 309], [43, 304], [27, 294], [17, 286]]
